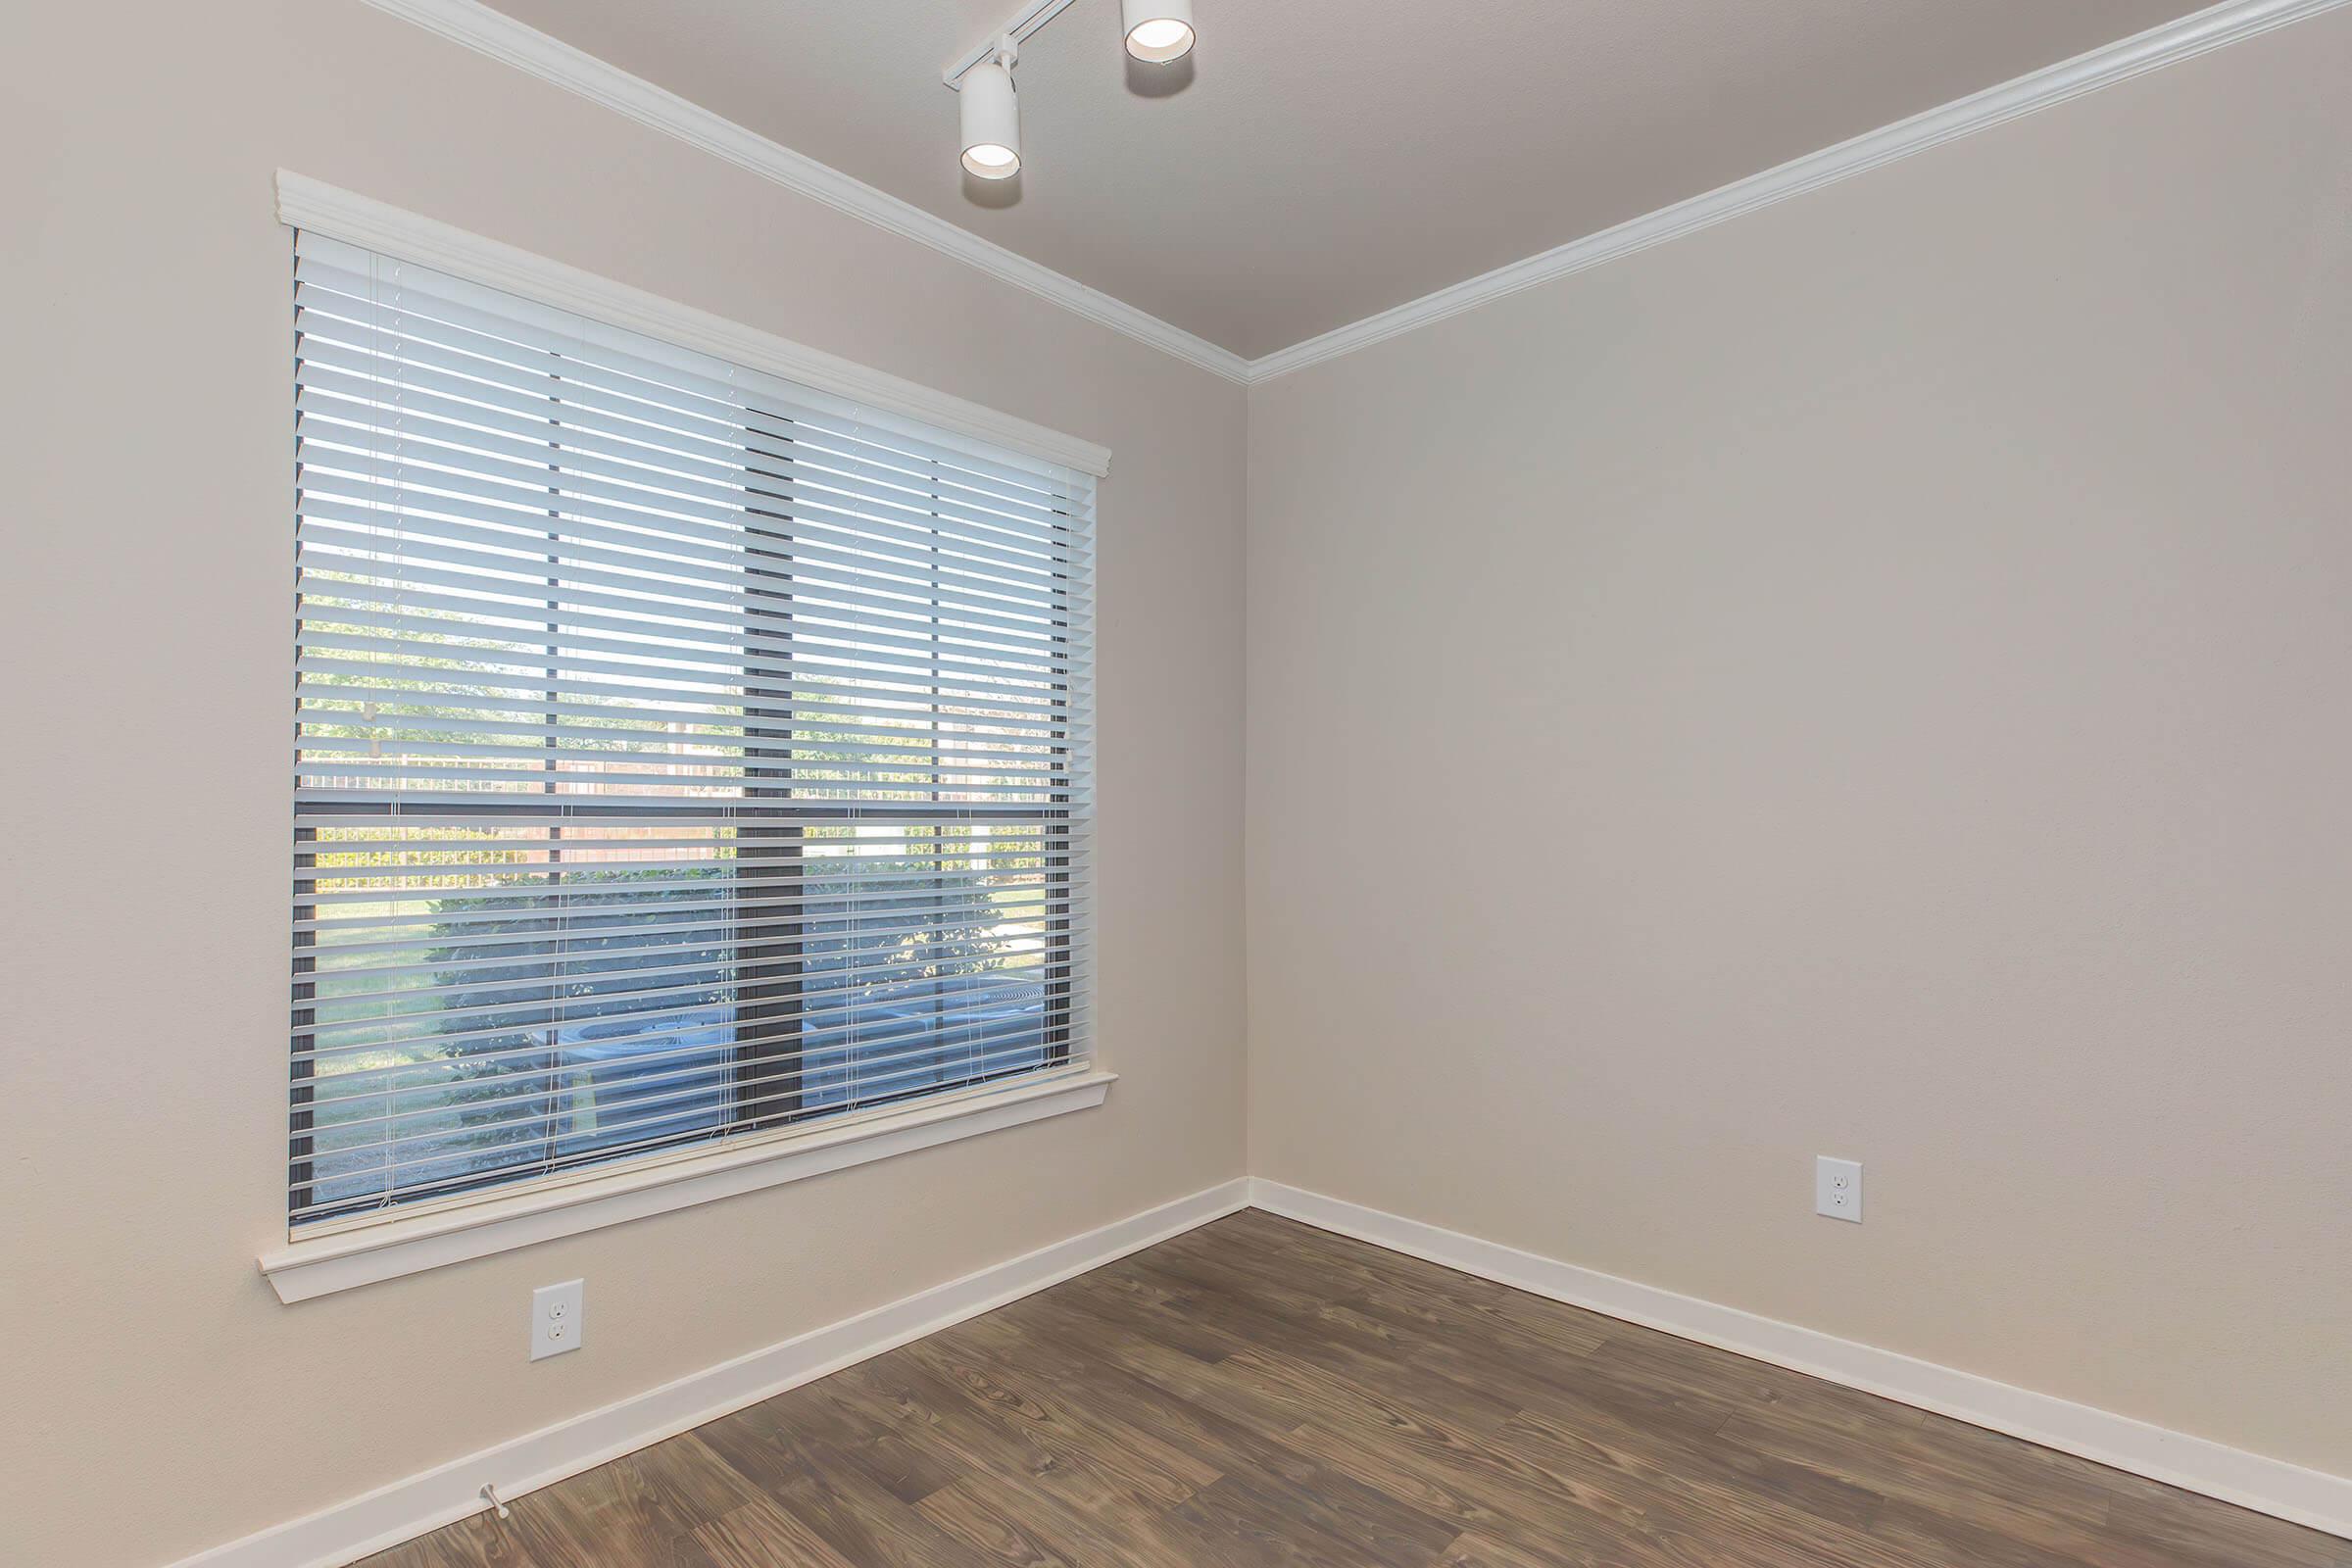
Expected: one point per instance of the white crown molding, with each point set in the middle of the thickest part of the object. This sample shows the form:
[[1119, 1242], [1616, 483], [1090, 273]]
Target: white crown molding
[[2249, 1480], [410, 1508], [527, 48], [493, 33], [2195, 35], [314, 204]]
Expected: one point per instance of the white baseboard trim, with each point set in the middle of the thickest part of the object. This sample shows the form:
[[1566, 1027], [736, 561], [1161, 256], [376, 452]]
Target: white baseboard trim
[[408, 1508], [2267, 1486]]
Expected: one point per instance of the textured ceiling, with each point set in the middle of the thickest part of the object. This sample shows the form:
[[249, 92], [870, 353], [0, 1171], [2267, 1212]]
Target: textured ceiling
[[1318, 160]]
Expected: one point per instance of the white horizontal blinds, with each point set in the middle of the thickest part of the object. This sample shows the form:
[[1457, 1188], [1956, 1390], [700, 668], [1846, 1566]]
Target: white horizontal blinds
[[679, 753]]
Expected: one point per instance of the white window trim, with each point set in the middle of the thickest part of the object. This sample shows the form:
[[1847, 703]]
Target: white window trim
[[310, 204], [343, 1255], [364, 1251]]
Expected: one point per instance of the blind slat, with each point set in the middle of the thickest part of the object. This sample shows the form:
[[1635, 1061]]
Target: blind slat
[[880, 667], [348, 982], [465, 930], [464, 946]]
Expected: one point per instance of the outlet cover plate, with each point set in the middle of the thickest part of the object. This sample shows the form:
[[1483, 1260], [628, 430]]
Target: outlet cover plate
[[559, 1321], [1838, 1188]]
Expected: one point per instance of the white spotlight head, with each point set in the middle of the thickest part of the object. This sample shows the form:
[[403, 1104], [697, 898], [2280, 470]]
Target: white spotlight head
[[992, 122], [1157, 30]]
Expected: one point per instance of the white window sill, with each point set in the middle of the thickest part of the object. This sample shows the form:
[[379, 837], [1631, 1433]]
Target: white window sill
[[411, 1243]]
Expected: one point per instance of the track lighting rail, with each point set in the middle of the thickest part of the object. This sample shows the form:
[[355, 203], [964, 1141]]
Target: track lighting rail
[[1018, 26]]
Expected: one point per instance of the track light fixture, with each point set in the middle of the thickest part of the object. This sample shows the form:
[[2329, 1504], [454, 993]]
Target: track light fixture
[[1157, 33], [992, 119], [1157, 30]]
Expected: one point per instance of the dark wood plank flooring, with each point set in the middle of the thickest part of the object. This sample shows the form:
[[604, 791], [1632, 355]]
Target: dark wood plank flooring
[[1258, 1392]]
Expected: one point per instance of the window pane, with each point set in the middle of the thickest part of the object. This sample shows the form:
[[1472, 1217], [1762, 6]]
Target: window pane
[[679, 754]]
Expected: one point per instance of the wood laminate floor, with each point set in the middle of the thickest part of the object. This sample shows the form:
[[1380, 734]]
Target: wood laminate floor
[[1256, 1392]]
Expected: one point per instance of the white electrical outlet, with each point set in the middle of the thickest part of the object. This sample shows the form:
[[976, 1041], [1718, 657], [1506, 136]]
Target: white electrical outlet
[[1838, 1188], [558, 1321]]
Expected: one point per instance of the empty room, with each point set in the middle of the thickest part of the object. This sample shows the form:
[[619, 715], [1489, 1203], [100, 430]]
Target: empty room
[[1080, 783]]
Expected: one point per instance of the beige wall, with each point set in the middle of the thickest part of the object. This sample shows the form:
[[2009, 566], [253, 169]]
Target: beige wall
[[1871, 678], [1868, 678], [160, 1398]]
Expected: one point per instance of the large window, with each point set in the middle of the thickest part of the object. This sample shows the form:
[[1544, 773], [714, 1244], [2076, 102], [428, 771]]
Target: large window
[[680, 753]]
